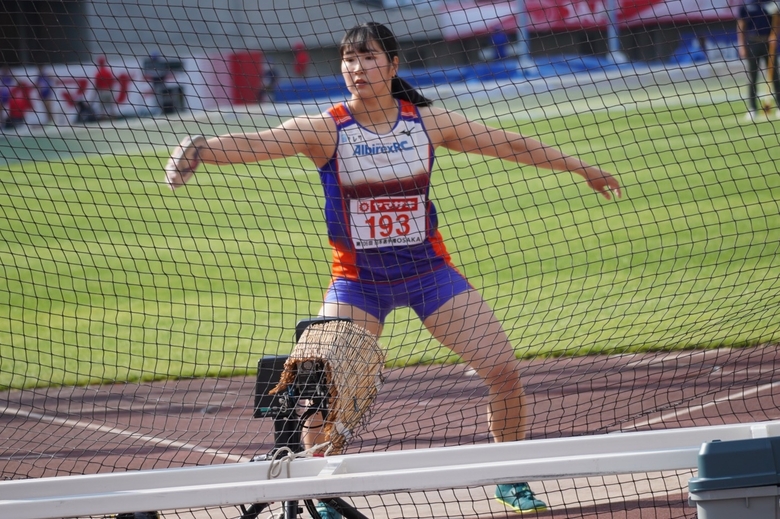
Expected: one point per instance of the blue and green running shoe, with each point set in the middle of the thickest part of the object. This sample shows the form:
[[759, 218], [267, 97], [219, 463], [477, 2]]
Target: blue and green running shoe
[[327, 512], [520, 498]]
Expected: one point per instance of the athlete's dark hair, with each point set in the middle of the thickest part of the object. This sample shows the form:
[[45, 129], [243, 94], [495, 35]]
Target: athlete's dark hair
[[358, 39]]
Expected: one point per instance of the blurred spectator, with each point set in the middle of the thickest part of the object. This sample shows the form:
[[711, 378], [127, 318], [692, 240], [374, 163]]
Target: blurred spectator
[[19, 104], [301, 59], [45, 87], [155, 71], [7, 82], [78, 100], [270, 79], [159, 72], [104, 87], [757, 27], [499, 39]]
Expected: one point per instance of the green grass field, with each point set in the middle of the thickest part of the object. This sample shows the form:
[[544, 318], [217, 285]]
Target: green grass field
[[109, 276]]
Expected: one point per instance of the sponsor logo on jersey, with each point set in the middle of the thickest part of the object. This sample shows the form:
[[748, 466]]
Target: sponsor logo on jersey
[[385, 205], [381, 149], [355, 137]]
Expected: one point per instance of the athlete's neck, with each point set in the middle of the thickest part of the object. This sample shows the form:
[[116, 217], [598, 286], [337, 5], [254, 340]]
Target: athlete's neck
[[378, 114]]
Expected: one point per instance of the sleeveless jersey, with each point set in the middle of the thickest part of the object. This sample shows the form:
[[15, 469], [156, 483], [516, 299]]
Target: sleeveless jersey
[[381, 224]]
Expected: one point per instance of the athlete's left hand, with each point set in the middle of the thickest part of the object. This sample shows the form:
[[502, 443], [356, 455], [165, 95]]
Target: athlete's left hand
[[603, 183]]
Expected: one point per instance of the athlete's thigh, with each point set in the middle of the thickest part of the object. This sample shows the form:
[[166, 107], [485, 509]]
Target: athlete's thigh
[[358, 316], [469, 327]]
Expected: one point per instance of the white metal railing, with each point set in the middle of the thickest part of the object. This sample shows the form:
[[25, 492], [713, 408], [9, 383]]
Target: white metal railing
[[367, 473]]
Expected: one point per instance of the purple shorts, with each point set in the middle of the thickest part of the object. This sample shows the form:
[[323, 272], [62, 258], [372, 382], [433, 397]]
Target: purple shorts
[[424, 294]]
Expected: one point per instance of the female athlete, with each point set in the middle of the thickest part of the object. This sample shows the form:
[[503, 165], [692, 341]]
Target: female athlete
[[375, 156]]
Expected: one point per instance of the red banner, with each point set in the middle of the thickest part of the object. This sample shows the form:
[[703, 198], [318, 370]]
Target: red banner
[[465, 18]]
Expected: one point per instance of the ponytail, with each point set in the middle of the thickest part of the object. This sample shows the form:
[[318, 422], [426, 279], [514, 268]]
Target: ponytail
[[401, 89]]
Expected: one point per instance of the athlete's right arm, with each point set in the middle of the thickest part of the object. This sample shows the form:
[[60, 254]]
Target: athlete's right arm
[[313, 137]]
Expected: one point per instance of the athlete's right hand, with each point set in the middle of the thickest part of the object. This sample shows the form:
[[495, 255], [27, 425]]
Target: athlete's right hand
[[184, 160]]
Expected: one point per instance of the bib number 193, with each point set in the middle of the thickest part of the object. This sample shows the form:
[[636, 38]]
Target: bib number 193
[[384, 226], [387, 222]]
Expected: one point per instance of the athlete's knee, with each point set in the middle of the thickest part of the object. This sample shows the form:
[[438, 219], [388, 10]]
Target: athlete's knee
[[504, 380]]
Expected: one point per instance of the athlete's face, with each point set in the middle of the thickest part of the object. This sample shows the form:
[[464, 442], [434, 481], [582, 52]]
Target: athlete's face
[[368, 73]]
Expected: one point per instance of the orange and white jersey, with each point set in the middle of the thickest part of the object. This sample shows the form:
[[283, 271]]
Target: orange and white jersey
[[381, 224]]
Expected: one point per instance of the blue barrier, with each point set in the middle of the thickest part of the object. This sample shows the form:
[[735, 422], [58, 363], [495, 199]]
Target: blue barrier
[[308, 89]]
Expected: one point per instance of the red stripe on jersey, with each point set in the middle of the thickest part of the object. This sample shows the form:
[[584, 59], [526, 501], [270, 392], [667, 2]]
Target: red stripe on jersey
[[340, 114], [344, 262], [407, 186], [408, 110], [437, 242]]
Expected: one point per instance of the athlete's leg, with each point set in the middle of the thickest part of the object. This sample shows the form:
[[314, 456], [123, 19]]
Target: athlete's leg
[[312, 432], [358, 316], [467, 325]]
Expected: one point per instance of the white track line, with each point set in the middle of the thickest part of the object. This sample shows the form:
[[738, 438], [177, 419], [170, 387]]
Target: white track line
[[66, 422], [690, 410]]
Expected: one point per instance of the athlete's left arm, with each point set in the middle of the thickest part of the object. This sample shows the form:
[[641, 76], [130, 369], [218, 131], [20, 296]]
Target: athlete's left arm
[[456, 132]]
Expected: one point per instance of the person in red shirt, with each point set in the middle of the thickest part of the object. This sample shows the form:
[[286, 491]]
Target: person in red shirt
[[104, 87], [19, 104], [302, 59]]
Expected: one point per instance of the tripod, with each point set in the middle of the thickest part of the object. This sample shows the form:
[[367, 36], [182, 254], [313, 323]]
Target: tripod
[[309, 391]]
